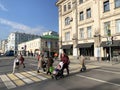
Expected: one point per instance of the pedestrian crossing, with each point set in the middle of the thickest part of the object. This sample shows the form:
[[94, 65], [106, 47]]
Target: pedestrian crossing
[[20, 79], [10, 80]]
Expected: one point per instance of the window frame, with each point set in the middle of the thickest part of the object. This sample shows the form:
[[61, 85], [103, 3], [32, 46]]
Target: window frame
[[106, 6], [65, 8], [117, 2], [117, 26], [89, 32], [67, 36], [81, 17], [67, 21], [80, 1], [88, 12], [106, 27], [69, 5], [81, 33]]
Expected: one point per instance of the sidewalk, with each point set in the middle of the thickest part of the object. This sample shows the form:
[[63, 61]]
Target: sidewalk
[[97, 63]]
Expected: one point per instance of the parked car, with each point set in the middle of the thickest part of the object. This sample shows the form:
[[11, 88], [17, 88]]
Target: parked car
[[9, 53]]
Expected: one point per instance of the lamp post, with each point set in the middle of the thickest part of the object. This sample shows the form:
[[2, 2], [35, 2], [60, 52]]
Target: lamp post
[[109, 40]]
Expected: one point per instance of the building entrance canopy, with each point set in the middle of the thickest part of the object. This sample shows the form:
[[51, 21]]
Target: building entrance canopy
[[85, 45], [115, 43], [67, 46]]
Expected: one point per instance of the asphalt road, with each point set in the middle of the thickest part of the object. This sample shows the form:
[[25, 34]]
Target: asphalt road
[[97, 78]]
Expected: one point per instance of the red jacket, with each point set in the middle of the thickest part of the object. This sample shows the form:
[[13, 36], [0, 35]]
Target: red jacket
[[65, 59]]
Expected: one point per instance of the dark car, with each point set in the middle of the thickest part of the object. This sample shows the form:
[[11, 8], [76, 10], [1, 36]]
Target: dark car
[[9, 53]]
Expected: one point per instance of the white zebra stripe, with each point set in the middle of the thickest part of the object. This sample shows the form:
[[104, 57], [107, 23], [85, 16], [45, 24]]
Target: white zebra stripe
[[25, 79], [8, 83], [41, 77]]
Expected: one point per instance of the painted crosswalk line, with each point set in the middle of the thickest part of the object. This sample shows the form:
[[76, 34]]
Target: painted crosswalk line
[[8, 83], [31, 76], [36, 75], [20, 79], [16, 80], [25, 79]]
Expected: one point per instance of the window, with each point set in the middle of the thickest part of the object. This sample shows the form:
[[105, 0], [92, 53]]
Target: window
[[64, 8], [117, 3], [56, 44], [106, 27], [106, 6], [89, 32], [69, 5], [67, 21], [81, 16], [67, 36], [81, 33], [88, 13], [80, 1], [118, 26]]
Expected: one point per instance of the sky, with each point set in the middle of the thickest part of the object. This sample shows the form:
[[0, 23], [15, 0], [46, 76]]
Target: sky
[[28, 16]]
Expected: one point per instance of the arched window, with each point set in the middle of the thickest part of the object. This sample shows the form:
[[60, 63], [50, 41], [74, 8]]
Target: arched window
[[67, 20]]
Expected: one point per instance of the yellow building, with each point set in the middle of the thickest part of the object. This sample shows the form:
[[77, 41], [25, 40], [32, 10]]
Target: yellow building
[[84, 26]]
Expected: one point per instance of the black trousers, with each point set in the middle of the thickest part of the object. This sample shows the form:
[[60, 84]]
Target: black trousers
[[65, 66]]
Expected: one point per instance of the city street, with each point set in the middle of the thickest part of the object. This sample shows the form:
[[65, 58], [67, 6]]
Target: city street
[[97, 77]]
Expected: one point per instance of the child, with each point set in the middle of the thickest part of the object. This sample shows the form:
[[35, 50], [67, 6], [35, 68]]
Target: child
[[15, 64], [58, 68]]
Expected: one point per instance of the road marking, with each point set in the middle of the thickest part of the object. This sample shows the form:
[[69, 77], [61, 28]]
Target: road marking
[[38, 76], [16, 80], [30, 76], [25, 79], [107, 71], [98, 80], [8, 83]]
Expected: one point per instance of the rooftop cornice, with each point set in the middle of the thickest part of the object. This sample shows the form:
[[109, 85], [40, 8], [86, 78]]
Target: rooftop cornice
[[59, 1]]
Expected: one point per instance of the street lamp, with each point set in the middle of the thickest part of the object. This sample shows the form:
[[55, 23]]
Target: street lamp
[[109, 40]]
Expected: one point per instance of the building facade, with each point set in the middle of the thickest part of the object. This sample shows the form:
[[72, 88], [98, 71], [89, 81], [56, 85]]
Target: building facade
[[16, 38], [47, 43], [84, 25], [3, 46]]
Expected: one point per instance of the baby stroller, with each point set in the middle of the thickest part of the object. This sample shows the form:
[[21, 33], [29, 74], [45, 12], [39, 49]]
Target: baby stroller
[[44, 64], [57, 73]]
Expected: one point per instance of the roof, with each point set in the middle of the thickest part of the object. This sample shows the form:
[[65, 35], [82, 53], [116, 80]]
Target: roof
[[49, 37]]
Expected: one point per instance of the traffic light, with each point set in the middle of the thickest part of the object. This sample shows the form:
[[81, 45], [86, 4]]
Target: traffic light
[[109, 32]]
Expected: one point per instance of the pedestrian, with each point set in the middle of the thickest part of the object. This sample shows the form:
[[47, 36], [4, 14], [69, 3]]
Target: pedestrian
[[41, 62], [82, 62], [56, 56], [15, 64], [49, 65], [108, 57], [22, 60], [66, 62]]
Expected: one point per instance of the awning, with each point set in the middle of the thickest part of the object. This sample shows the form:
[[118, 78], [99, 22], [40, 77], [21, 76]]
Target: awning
[[85, 45], [115, 43], [67, 46]]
